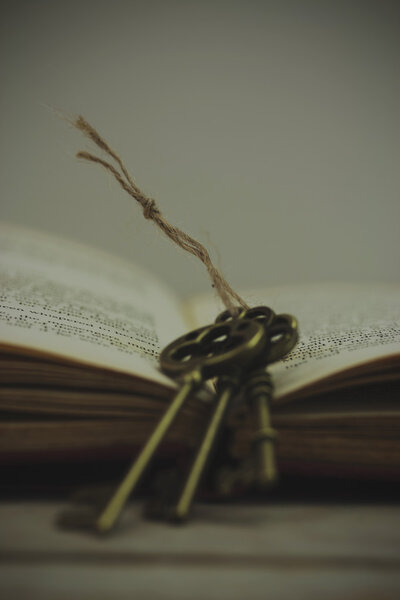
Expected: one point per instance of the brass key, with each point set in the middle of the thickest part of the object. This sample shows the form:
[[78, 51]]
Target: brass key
[[229, 381], [282, 336], [212, 351]]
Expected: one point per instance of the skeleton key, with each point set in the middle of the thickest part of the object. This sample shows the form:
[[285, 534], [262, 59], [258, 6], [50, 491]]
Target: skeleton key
[[282, 336], [215, 350], [229, 380], [228, 384]]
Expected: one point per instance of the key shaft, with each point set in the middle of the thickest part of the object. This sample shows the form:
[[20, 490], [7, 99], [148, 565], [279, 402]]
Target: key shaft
[[259, 390], [181, 510], [112, 510]]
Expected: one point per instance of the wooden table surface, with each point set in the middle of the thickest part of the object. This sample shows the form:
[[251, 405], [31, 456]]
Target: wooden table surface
[[279, 550]]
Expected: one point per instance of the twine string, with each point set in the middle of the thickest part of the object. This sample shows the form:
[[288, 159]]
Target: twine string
[[151, 212]]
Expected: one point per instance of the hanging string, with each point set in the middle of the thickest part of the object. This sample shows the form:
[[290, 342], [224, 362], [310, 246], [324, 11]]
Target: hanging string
[[151, 211]]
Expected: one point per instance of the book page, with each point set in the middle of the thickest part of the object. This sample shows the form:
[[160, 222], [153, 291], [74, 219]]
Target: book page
[[341, 326], [74, 302]]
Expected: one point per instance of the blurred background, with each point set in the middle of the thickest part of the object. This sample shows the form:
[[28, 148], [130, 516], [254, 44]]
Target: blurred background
[[267, 130]]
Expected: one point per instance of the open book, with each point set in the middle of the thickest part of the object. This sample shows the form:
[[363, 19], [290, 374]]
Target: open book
[[80, 336]]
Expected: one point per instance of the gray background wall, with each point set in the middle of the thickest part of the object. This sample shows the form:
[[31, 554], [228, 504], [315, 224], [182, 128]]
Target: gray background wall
[[268, 130]]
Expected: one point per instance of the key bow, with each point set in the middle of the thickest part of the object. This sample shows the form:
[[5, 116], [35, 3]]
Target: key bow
[[215, 349]]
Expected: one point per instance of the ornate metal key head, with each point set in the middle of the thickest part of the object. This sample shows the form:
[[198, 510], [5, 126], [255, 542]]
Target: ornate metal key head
[[281, 330], [213, 350], [218, 349]]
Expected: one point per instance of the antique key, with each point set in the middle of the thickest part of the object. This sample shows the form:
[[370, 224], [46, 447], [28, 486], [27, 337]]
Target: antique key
[[228, 383], [217, 350], [282, 336]]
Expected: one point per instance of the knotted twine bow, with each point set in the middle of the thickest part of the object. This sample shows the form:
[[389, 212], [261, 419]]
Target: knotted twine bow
[[152, 212]]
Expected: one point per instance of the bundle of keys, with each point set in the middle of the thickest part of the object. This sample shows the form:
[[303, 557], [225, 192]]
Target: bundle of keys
[[236, 351]]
